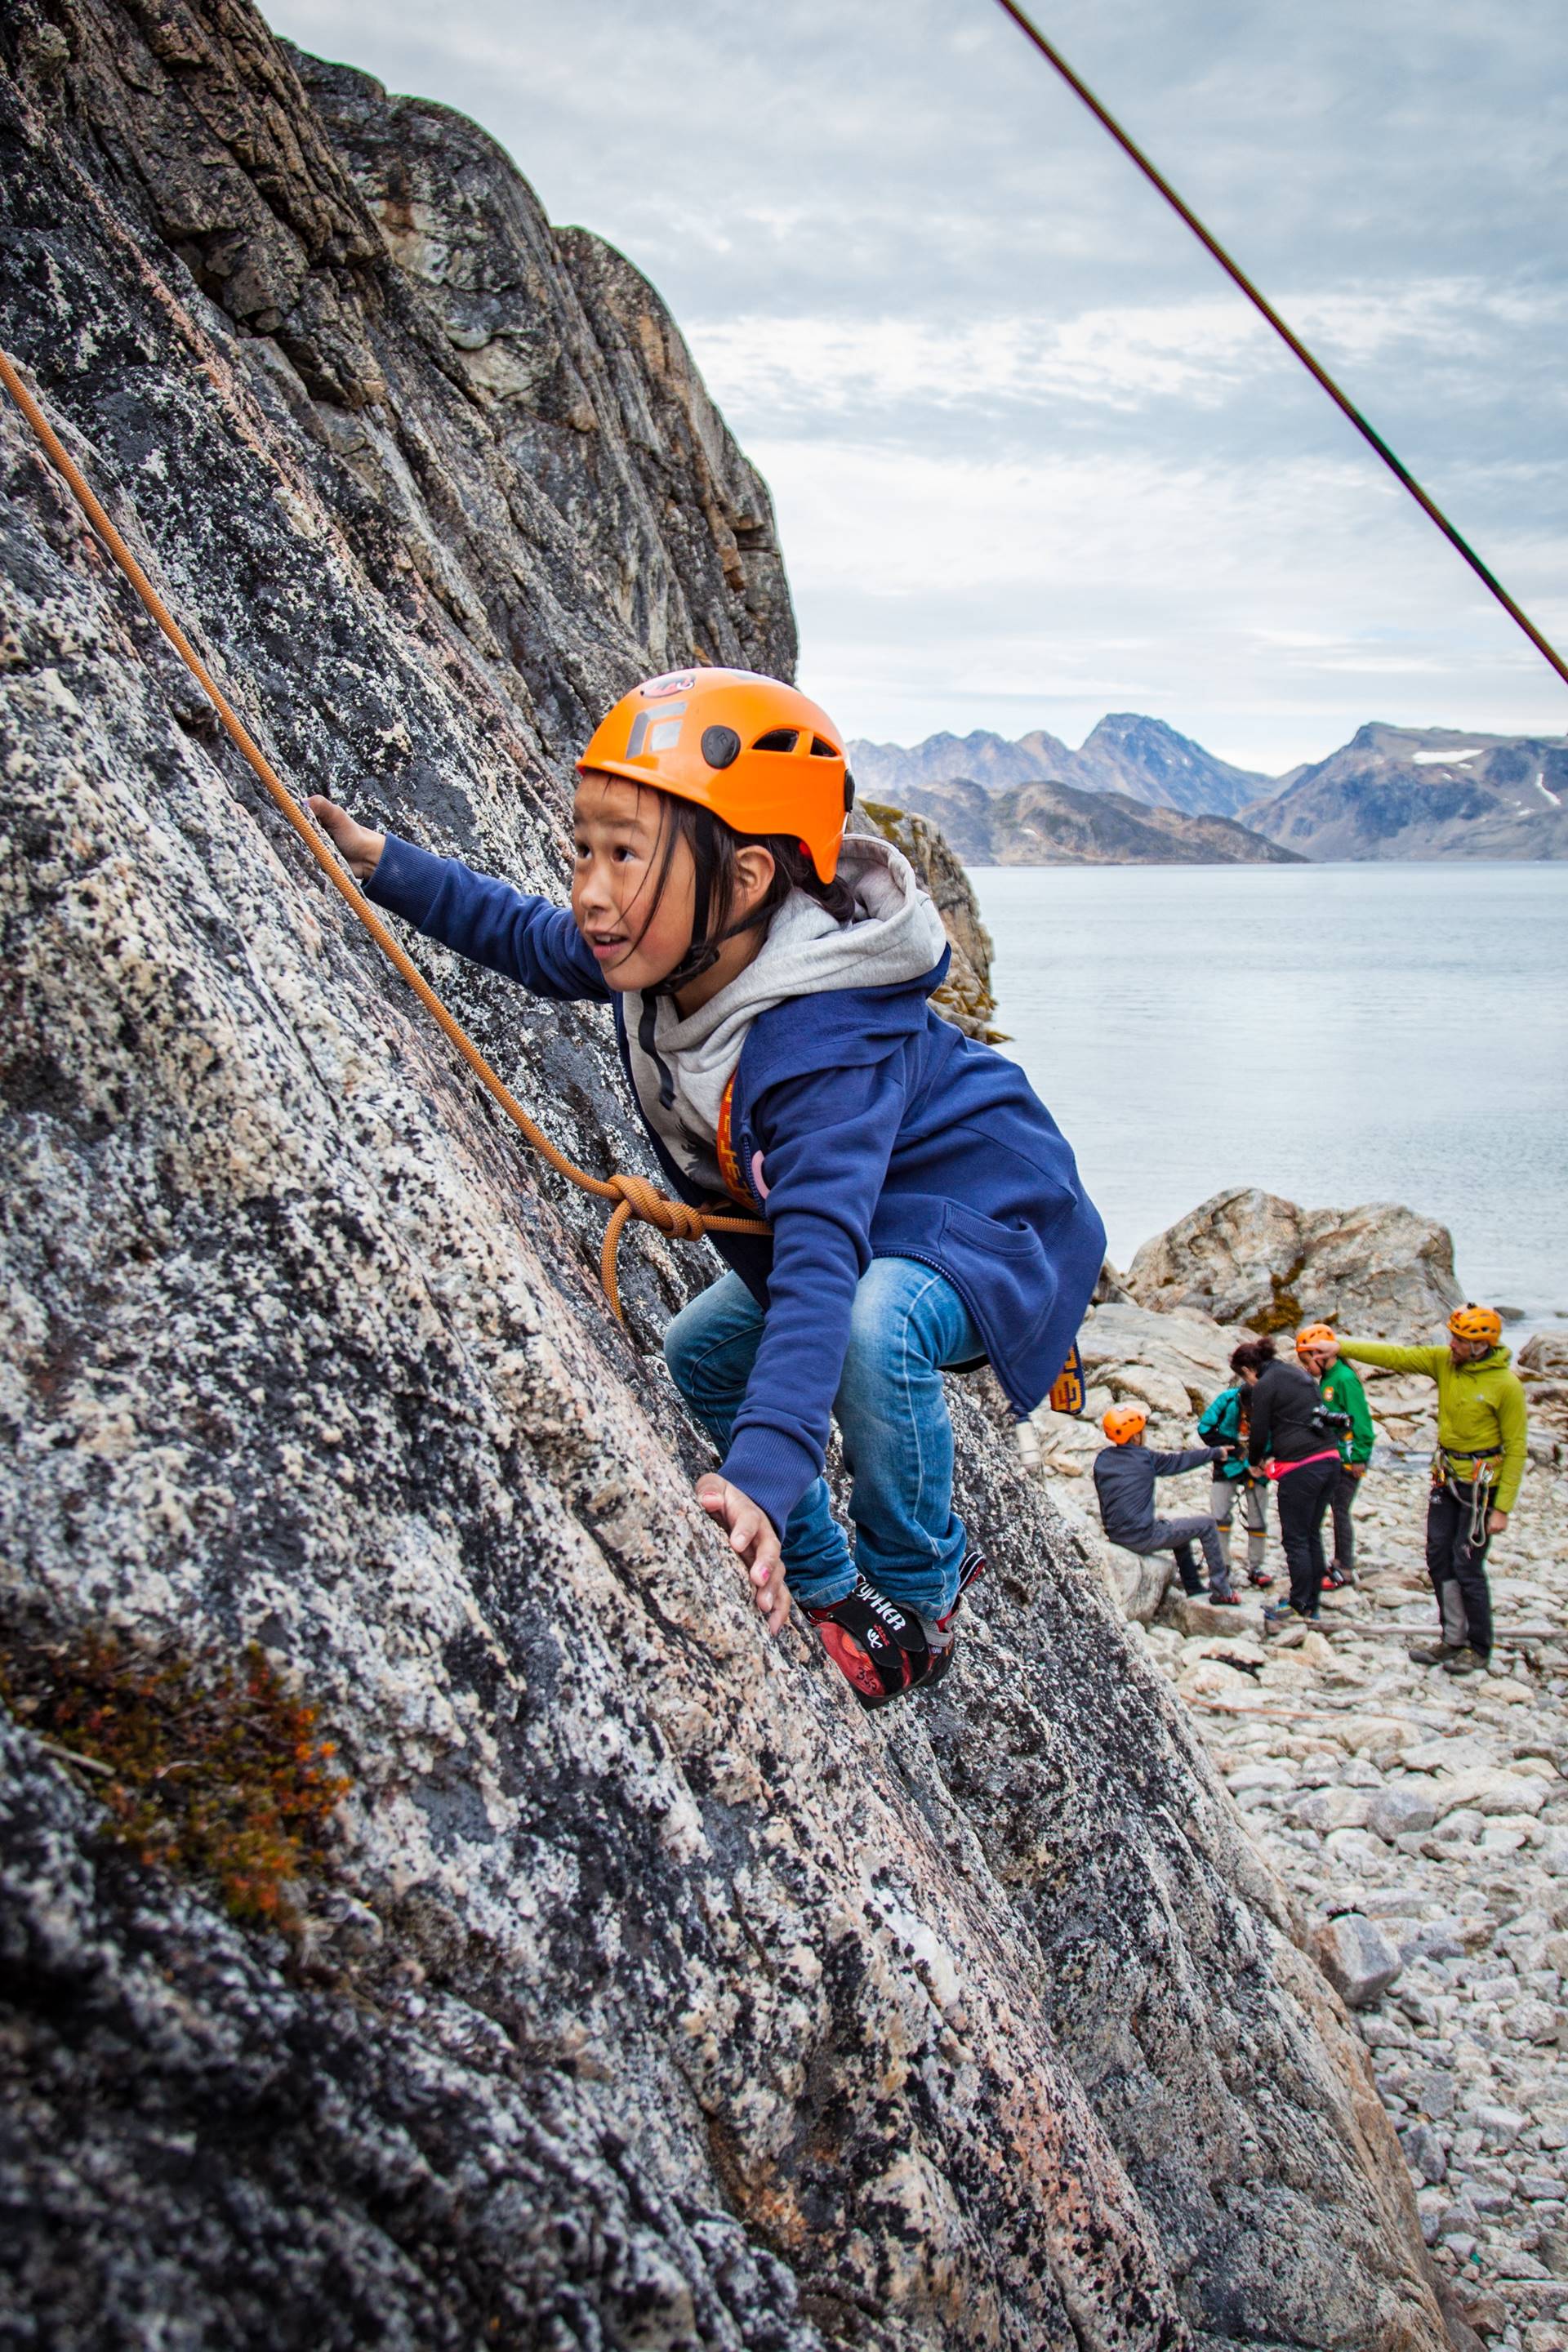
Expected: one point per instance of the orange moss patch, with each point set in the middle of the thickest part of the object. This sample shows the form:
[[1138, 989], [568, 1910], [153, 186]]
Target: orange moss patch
[[206, 1766]]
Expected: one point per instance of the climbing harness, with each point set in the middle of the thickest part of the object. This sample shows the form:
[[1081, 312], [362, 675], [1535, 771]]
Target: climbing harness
[[633, 1196], [1277, 1470], [1292, 341], [1446, 1474]]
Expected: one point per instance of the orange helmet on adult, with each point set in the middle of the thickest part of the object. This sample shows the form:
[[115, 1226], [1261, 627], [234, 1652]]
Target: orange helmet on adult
[[760, 755], [1122, 1423], [1468, 1322], [1314, 1335]]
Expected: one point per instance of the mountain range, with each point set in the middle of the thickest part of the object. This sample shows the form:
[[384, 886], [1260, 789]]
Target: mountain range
[[1390, 792], [1125, 753], [1061, 824]]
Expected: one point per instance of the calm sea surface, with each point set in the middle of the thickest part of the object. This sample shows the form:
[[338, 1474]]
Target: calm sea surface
[[1336, 1033]]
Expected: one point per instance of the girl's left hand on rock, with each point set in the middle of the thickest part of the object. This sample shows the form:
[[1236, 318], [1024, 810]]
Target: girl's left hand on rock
[[751, 1533]]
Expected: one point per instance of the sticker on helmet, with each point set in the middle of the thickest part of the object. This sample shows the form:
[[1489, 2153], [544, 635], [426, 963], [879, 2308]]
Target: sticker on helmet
[[675, 681]]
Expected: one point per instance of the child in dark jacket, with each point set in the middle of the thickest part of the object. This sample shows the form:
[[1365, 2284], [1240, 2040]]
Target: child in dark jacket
[[771, 979], [1124, 1476]]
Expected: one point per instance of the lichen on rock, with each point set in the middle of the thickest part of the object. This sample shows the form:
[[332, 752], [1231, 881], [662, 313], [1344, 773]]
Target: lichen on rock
[[671, 2001]]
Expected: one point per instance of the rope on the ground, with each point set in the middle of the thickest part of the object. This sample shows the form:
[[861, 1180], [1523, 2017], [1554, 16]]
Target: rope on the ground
[[1238, 277], [633, 1196]]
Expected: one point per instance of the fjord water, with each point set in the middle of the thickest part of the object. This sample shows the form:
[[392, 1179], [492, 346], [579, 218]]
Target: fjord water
[[1335, 1033]]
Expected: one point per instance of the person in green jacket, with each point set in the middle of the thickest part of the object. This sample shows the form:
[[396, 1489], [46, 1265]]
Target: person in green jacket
[[1342, 1392], [1482, 1426]]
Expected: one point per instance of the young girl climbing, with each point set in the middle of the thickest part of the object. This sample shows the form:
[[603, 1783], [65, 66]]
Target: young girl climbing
[[770, 978]]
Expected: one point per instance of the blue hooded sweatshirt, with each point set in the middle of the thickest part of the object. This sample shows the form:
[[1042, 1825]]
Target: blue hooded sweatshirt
[[868, 1127]]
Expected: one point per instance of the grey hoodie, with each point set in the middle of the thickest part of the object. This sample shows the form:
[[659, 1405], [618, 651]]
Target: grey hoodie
[[681, 1067]]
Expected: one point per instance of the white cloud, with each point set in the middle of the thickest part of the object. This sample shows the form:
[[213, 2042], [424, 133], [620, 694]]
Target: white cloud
[[1032, 454]]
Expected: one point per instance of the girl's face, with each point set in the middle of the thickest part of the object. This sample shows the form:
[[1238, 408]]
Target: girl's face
[[620, 845]]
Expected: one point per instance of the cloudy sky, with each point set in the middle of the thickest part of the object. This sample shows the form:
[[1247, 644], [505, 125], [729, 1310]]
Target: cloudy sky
[[1033, 458]]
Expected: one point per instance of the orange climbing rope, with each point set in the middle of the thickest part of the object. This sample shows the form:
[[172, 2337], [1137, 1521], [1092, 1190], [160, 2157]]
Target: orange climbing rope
[[633, 1196]]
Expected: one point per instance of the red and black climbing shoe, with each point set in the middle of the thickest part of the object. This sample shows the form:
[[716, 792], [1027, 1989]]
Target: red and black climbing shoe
[[1334, 1578], [940, 1632], [881, 1649], [971, 1568], [1262, 1577]]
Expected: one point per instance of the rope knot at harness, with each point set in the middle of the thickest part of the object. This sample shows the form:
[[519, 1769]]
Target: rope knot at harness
[[656, 1208]]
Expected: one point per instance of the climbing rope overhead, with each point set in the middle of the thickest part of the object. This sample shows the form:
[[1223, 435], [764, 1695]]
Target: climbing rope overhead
[[1238, 277], [633, 1196]]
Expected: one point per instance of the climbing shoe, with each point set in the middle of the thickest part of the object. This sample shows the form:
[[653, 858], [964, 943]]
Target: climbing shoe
[[1438, 1653], [940, 1632], [1334, 1578], [1262, 1577], [970, 1568], [1466, 1662], [880, 1648], [1224, 1599]]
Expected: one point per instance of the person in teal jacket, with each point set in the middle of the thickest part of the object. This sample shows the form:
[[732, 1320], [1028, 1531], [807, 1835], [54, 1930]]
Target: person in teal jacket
[[1224, 1422], [1341, 1389], [1483, 1432]]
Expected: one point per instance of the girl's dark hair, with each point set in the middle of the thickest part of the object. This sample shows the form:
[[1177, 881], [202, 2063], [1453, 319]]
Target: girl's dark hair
[[1252, 1355], [713, 844]]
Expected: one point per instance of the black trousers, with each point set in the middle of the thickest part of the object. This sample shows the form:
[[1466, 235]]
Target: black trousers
[[1303, 1500], [1454, 1561], [1342, 1501]]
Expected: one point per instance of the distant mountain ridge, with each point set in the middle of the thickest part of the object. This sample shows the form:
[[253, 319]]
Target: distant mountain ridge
[[1390, 792], [1047, 823], [1424, 792], [1142, 757]]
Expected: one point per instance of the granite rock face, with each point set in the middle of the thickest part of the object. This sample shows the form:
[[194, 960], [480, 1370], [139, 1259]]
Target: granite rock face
[[1246, 1256], [664, 2000]]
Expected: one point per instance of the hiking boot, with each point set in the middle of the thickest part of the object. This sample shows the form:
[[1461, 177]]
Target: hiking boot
[[1466, 1662], [1276, 1619], [881, 1649], [1435, 1654]]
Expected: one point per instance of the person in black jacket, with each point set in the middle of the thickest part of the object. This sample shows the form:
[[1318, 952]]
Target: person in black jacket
[[1124, 1476], [1287, 1434]]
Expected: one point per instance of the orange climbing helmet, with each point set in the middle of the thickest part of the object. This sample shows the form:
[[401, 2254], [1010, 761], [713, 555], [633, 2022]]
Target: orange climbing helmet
[[1123, 1422], [1471, 1322], [757, 753], [1314, 1335]]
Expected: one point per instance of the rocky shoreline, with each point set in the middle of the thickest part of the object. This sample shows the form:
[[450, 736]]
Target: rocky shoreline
[[1420, 1823]]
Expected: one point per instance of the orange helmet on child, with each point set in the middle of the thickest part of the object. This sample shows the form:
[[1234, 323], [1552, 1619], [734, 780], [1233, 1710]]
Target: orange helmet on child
[[1123, 1422], [1470, 1322], [1314, 1335], [760, 755]]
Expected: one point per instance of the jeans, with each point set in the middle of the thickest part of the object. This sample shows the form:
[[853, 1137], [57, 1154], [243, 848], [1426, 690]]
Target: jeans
[[1179, 1535], [1343, 1502], [905, 1323], [1303, 1499], [1223, 1496], [1458, 1567]]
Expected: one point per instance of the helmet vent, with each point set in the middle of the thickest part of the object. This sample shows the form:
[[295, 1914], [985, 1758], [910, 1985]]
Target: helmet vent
[[721, 746], [777, 739], [821, 750]]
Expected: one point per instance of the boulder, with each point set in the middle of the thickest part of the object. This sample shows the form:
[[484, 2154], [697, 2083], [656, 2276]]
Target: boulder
[[1357, 1958], [1543, 1355], [1400, 1810], [1246, 1256]]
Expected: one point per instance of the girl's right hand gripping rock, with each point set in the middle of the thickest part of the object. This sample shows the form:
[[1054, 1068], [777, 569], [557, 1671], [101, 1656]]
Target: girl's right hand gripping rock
[[359, 848], [751, 1534]]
